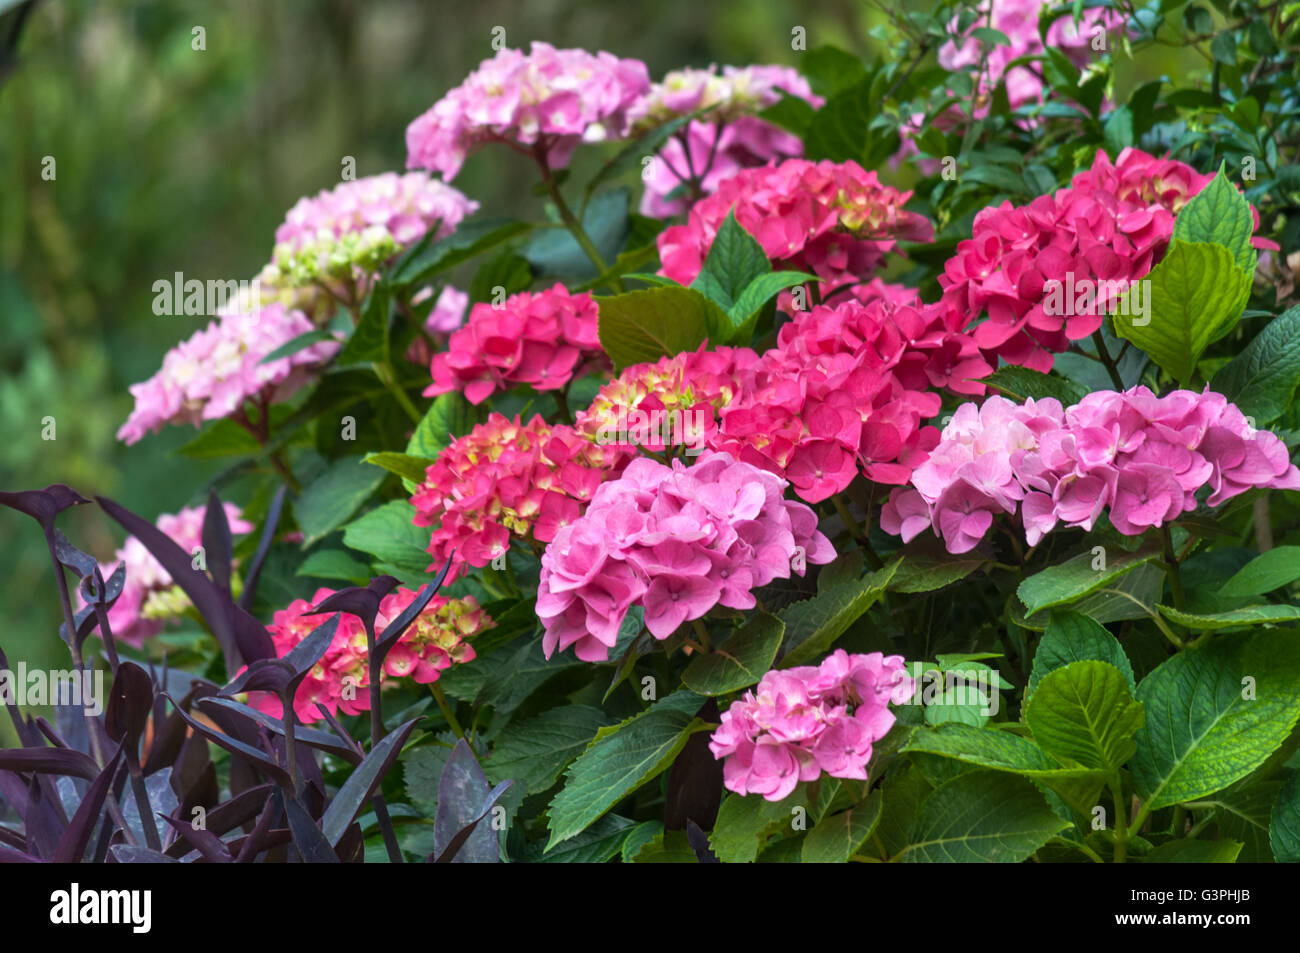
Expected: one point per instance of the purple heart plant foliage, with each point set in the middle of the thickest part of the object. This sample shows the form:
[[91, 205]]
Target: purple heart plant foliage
[[787, 515]]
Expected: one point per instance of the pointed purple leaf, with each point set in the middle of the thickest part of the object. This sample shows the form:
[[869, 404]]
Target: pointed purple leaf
[[218, 544], [254, 572], [129, 705], [208, 844], [357, 789], [43, 505], [462, 792], [72, 846], [49, 761], [234, 746]]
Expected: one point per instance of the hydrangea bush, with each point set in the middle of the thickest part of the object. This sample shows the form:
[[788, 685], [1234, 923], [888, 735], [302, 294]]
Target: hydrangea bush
[[909, 479]]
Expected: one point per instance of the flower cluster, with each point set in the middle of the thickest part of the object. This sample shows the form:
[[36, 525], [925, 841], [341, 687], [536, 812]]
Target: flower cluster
[[1017, 20], [800, 722], [833, 219], [340, 681], [726, 139], [1109, 225], [149, 596], [546, 99], [846, 389], [211, 374], [543, 339], [1140, 457], [346, 233], [674, 401], [506, 478], [676, 540]]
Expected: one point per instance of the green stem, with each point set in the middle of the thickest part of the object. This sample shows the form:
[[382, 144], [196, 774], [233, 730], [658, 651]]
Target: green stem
[[1121, 824], [570, 220], [703, 633], [446, 708], [1106, 359], [385, 374]]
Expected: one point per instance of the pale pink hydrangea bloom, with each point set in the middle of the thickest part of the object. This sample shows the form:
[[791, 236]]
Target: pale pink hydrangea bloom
[[547, 98], [1141, 459], [727, 139], [799, 723], [147, 600], [214, 372], [675, 540]]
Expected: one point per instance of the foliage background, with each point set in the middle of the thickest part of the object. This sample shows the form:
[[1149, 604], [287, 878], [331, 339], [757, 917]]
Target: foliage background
[[170, 159]]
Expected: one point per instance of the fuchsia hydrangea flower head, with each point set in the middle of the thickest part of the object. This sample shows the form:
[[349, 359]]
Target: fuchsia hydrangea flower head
[[340, 681], [543, 339], [833, 219], [507, 479], [1140, 458], [1022, 262], [342, 235], [727, 139], [211, 374], [800, 722], [149, 596], [547, 98], [846, 389], [672, 402], [676, 540]]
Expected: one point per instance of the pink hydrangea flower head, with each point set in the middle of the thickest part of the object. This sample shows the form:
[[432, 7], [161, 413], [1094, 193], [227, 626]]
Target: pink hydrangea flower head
[[1046, 273], [676, 540], [507, 479], [800, 723], [673, 402], [1139, 458], [543, 339], [340, 681], [835, 220], [211, 374], [149, 596], [546, 99]]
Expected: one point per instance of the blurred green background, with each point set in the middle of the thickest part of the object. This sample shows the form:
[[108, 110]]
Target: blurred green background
[[173, 159]]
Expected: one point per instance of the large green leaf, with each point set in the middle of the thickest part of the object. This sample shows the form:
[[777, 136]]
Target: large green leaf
[[813, 625], [620, 761], [745, 823], [1203, 729], [740, 661], [1284, 827], [409, 468], [366, 342], [735, 259], [334, 496], [925, 572], [388, 534], [595, 845], [981, 817], [534, 751], [1233, 618], [1195, 293], [448, 417], [1266, 572], [555, 252], [643, 326], [1073, 637], [1262, 379], [1002, 751], [1083, 714], [1219, 213], [1019, 383], [834, 839], [1073, 579], [1194, 852], [1241, 813], [470, 239]]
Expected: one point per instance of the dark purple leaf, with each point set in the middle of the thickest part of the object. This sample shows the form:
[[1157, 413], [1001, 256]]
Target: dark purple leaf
[[43, 505], [312, 737], [80, 563], [49, 761], [133, 854], [72, 846], [452, 853], [694, 789], [464, 797], [12, 838], [399, 625], [218, 546], [43, 819], [307, 837], [284, 675], [263, 547], [208, 844], [362, 782], [112, 589], [9, 855], [129, 705], [245, 751], [699, 842]]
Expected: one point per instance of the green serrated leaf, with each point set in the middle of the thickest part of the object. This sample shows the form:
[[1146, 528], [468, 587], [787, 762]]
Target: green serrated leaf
[[1075, 578], [740, 661], [1073, 637], [1082, 713], [1020, 383], [334, 496], [836, 838], [813, 625], [533, 751], [1262, 379], [643, 326]]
